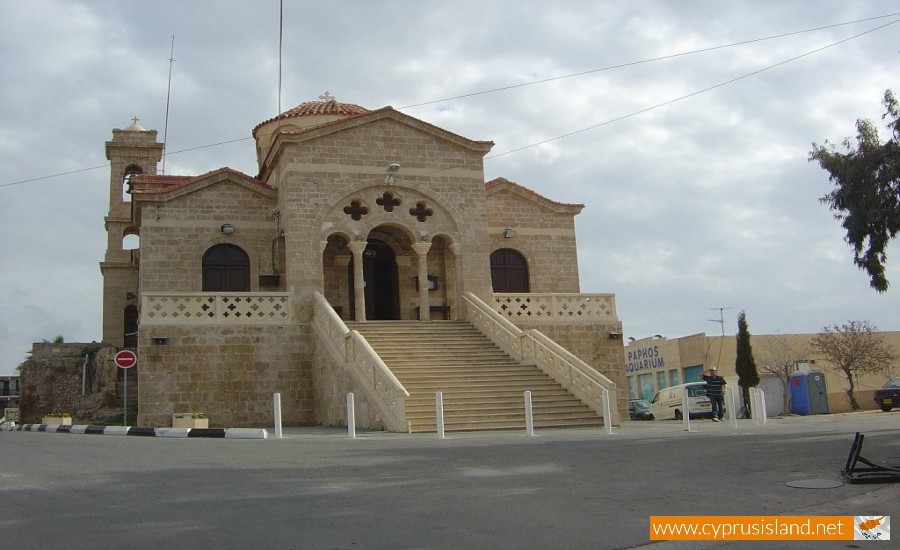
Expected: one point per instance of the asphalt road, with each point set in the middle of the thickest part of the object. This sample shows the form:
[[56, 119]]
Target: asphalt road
[[318, 489]]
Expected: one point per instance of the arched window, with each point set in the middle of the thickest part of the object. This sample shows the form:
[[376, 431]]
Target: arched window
[[226, 268], [131, 241], [132, 170], [509, 271]]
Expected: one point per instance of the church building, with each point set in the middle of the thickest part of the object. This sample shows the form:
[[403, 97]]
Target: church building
[[367, 256]]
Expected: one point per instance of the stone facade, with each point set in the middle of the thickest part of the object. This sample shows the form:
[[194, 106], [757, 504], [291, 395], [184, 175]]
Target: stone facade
[[385, 215]]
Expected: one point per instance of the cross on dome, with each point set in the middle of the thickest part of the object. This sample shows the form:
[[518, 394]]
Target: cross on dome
[[327, 96]]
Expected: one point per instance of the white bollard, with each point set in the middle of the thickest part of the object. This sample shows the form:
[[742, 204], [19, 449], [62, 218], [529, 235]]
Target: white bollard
[[754, 405], [276, 405], [607, 412], [529, 417], [351, 417], [732, 409], [762, 407], [439, 413], [686, 412]]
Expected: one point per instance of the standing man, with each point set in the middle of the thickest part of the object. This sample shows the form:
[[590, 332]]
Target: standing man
[[715, 390]]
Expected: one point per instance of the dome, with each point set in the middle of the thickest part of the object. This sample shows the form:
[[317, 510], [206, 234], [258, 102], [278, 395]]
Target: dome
[[326, 109], [305, 115]]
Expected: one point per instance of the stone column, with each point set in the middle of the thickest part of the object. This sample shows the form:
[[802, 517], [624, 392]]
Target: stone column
[[359, 284], [456, 250], [421, 249]]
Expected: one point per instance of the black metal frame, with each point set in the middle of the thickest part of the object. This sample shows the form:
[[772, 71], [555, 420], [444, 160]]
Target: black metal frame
[[871, 472]]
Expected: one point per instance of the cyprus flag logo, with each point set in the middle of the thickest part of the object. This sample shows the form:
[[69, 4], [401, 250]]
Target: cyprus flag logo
[[871, 527]]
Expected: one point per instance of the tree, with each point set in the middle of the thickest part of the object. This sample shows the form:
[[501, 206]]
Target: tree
[[852, 349], [780, 359], [744, 364], [867, 195]]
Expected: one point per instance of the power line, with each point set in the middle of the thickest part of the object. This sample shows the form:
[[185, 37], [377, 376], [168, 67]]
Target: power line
[[692, 94], [604, 123], [644, 61]]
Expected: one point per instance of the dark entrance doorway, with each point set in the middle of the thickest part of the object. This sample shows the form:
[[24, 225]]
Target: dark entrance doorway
[[509, 271], [380, 274], [226, 268]]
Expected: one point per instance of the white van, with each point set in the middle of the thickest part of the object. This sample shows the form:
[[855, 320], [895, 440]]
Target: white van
[[668, 403]]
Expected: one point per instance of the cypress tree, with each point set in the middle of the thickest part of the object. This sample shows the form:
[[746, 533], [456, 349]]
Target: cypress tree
[[744, 364]]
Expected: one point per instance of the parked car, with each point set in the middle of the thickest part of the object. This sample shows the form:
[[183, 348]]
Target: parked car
[[888, 396], [668, 403], [639, 409]]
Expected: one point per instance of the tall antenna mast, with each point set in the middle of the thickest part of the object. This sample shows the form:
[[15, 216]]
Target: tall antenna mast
[[168, 96], [721, 321], [280, 42]]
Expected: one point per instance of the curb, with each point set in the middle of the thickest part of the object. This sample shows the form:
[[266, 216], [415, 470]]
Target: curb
[[227, 433]]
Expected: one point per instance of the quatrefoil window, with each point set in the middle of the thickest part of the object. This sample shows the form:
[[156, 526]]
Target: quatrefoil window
[[421, 211], [356, 210], [388, 201]]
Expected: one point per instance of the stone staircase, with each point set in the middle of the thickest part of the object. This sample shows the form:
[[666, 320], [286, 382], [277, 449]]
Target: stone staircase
[[483, 387]]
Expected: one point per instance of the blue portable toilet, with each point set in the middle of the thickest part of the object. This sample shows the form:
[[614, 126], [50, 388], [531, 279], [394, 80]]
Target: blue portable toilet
[[808, 393]]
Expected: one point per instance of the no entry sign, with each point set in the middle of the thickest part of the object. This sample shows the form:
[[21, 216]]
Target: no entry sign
[[126, 359]]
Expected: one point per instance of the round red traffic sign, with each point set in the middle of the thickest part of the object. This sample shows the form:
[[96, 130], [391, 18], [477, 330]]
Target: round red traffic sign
[[126, 359]]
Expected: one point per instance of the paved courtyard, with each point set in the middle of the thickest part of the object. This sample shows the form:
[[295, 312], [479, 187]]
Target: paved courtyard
[[316, 488]]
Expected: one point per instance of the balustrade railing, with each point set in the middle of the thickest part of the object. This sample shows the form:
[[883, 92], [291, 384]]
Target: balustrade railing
[[552, 308], [350, 349], [532, 345], [215, 308]]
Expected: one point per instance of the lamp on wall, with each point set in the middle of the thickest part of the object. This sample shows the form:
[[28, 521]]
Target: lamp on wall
[[227, 229], [509, 233], [615, 334], [392, 169]]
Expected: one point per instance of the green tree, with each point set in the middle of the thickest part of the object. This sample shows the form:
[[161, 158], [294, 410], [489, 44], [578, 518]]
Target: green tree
[[744, 364], [854, 348], [866, 198]]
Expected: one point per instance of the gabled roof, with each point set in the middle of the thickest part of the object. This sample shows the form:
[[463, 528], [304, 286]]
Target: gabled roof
[[328, 128], [145, 184], [498, 185]]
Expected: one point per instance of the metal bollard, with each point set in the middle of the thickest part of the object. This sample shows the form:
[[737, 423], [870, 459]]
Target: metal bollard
[[732, 409], [607, 412], [439, 413], [351, 417], [276, 406], [529, 417]]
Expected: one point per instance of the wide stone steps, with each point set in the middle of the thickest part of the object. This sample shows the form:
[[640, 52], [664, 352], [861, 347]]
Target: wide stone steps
[[482, 387]]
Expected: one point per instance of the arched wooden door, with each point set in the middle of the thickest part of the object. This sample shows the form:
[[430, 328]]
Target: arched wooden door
[[509, 271], [226, 268]]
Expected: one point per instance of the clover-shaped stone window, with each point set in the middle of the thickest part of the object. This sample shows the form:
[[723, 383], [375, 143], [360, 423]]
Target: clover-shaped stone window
[[356, 210], [421, 211], [388, 201]]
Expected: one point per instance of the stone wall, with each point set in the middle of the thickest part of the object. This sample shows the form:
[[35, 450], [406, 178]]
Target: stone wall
[[51, 381], [229, 373], [175, 235], [544, 235]]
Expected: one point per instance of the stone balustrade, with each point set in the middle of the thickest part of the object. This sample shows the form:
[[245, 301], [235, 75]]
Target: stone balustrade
[[349, 349], [551, 309], [215, 308], [568, 370]]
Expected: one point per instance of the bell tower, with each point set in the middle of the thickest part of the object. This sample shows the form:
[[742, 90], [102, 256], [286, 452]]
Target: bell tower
[[132, 151]]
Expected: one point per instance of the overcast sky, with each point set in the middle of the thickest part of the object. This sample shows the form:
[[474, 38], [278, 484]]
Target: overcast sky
[[691, 204]]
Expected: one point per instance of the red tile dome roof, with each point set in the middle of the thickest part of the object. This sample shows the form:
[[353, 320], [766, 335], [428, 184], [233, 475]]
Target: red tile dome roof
[[326, 106]]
